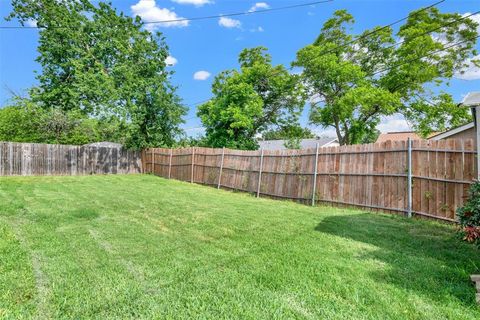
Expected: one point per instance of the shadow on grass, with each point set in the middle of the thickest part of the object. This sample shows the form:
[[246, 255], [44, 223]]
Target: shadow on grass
[[424, 258]]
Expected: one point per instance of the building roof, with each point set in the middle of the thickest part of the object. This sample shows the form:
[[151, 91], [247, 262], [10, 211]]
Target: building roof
[[398, 136], [472, 99], [451, 132], [304, 143]]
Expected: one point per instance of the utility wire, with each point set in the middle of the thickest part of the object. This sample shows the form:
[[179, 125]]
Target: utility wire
[[193, 18], [395, 44], [425, 56], [432, 30], [450, 45], [368, 34], [242, 13], [410, 39]]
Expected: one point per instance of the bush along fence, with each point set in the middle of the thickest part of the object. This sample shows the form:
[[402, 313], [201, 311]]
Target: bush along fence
[[49, 159], [427, 178]]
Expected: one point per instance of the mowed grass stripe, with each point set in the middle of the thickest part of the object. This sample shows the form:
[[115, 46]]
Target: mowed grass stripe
[[141, 246]]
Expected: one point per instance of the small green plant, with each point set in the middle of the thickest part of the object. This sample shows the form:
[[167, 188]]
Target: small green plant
[[469, 215]]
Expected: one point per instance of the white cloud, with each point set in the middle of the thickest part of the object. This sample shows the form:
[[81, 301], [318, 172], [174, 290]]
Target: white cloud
[[229, 23], [259, 5], [196, 3], [475, 17], [195, 131], [149, 12], [296, 70], [324, 132], [201, 75], [471, 72], [31, 23], [171, 61], [258, 29], [394, 123]]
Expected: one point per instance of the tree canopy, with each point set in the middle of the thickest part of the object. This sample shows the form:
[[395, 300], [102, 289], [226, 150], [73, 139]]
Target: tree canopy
[[26, 122], [355, 80], [102, 64], [251, 100]]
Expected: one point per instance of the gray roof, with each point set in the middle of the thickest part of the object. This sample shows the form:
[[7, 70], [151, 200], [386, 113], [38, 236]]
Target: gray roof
[[472, 99], [304, 143]]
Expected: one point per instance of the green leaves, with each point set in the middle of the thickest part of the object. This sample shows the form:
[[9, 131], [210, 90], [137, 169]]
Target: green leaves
[[249, 101], [469, 215], [25, 122], [355, 82], [103, 64]]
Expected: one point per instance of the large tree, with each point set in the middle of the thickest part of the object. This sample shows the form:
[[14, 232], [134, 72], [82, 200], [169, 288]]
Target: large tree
[[251, 100], [103, 64], [355, 80]]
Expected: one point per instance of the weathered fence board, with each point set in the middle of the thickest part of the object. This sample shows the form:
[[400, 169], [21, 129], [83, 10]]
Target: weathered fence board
[[26, 159], [371, 176]]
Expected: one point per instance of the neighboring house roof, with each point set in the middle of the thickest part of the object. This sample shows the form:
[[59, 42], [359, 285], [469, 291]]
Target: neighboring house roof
[[452, 132], [304, 143], [398, 136], [105, 144], [472, 99]]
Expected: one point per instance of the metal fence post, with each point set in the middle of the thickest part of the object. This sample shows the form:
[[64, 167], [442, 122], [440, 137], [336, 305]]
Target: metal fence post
[[170, 164], [409, 178], [193, 162], [315, 176], [260, 173], [221, 168]]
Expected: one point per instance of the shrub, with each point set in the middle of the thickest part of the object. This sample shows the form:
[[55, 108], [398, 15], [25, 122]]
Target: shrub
[[469, 215]]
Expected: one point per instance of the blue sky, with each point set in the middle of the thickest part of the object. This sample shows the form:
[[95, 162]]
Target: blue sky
[[201, 49]]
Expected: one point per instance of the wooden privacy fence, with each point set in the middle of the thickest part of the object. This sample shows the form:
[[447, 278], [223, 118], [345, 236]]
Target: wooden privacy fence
[[428, 178], [51, 159]]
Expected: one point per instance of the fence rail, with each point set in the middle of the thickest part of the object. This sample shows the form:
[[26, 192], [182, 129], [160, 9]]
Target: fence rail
[[375, 176], [432, 181], [50, 159]]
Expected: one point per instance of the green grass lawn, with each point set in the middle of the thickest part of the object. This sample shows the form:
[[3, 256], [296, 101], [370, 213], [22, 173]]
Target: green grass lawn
[[140, 246]]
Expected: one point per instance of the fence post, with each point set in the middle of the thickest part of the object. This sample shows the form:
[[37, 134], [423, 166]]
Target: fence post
[[315, 176], [221, 168], [477, 131], [409, 177], [170, 163], [193, 163], [153, 160], [260, 173]]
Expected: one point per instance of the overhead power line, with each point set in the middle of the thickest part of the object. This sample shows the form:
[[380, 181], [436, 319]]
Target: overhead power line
[[242, 13], [368, 34], [233, 14], [433, 30], [402, 41], [449, 45], [426, 55]]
